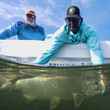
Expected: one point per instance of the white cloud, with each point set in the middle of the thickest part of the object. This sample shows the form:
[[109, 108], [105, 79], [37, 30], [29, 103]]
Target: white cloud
[[87, 3], [52, 3], [7, 11]]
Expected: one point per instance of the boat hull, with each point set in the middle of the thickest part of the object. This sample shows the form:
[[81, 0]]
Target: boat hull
[[28, 52]]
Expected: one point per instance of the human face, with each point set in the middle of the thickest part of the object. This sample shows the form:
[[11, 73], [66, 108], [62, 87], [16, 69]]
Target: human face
[[73, 24], [31, 19]]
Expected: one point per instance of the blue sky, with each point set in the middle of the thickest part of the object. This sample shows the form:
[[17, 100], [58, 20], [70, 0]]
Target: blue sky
[[51, 13]]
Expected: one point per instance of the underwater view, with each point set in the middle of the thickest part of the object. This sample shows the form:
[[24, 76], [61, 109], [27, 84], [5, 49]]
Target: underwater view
[[24, 87]]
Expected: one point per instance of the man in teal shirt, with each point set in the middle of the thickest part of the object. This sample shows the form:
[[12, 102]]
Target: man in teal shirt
[[75, 31], [25, 30]]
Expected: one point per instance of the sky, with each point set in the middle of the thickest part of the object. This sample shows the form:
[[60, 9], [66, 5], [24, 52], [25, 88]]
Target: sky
[[51, 13]]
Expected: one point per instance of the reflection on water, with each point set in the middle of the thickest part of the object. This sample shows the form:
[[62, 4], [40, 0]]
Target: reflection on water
[[33, 88]]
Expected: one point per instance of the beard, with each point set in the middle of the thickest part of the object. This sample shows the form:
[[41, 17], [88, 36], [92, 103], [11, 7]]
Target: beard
[[74, 29], [31, 22]]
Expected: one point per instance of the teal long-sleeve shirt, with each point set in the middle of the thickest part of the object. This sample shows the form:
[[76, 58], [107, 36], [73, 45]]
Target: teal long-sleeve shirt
[[85, 35], [23, 31]]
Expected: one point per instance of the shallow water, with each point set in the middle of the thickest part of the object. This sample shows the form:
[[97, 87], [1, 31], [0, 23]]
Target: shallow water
[[33, 88]]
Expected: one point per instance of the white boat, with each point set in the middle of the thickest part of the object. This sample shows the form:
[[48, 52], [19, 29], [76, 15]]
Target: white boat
[[27, 52]]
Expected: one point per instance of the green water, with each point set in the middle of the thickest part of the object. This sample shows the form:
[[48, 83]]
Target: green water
[[33, 88]]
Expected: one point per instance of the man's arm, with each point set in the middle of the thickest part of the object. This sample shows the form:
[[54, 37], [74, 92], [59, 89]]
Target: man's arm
[[56, 45], [10, 31], [94, 46]]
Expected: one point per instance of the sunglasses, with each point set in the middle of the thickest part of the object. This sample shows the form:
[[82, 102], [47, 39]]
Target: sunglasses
[[73, 19], [30, 16]]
